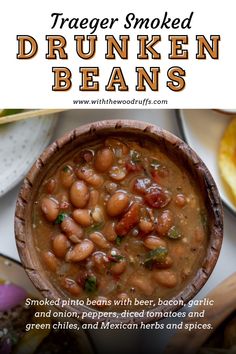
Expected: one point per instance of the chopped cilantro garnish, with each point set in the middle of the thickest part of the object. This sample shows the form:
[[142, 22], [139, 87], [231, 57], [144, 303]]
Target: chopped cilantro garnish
[[95, 227], [155, 164], [174, 233], [135, 156], [66, 169], [90, 284], [115, 258], [60, 218], [118, 240], [157, 255]]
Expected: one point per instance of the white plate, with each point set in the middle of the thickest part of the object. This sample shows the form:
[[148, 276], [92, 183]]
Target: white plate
[[203, 129], [20, 144]]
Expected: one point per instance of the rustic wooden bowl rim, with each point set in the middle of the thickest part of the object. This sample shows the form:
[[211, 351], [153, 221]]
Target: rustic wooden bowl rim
[[28, 255]]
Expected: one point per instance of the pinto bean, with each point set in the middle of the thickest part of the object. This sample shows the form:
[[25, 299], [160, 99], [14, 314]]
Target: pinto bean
[[142, 283], [67, 176], [79, 194], [60, 245], [180, 200], [119, 267], [99, 240], [70, 227], [117, 203], [100, 261], [97, 215], [117, 144], [157, 197], [104, 159], [51, 185], [153, 242], [146, 226], [71, 286], [166, 278], [109, 231], [50, 208], [118, 173], [93, 199], [123, 296], [165, 221], [50, 261], [82, 217], [88, 175], [80, 251]]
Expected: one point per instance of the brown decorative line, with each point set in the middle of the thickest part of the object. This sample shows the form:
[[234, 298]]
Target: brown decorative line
[[63, 147]]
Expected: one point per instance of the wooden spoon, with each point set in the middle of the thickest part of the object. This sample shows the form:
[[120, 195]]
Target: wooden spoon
[[28, 115], [189, 342]]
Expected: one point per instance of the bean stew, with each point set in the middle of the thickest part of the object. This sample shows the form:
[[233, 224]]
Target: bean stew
[[120, 219]]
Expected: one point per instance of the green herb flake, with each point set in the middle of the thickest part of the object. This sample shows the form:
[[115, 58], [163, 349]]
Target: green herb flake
[[157, 255], [66, 169], [174, 233], [115, 258], [95, 227], [118, 240], [61, 217], [90, 284], [135, 156], [155, 164]]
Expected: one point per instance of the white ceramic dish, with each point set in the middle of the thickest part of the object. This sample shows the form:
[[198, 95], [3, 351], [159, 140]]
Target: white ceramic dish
[[202, 130], [20, 145]]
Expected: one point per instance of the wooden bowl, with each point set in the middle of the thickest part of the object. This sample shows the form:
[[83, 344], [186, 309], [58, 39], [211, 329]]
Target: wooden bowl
[[173, 147]]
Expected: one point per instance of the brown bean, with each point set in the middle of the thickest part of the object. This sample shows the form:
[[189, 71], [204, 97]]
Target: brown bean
[[88, 175], [70, 227], [71, 286], [99, 240], [142, 283], [153, 242], [104, 159], [110, 187], [123, 296], [165, 278], [50, 208], [117, 203], [119, 267], [80, 251], [117, 144], [67, 176], [93, 199], [82, 217], [50, 261], [146, 226], [79, 194], [180, 200], [165, 221], [51, 185], [100, 261], [118, 173], [97, 214], [109, 231], [60, 245]]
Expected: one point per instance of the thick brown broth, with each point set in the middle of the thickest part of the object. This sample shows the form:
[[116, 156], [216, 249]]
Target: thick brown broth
[[120, 220]]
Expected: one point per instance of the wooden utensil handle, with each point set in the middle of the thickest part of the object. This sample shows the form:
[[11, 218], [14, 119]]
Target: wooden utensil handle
[[224, 297]]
